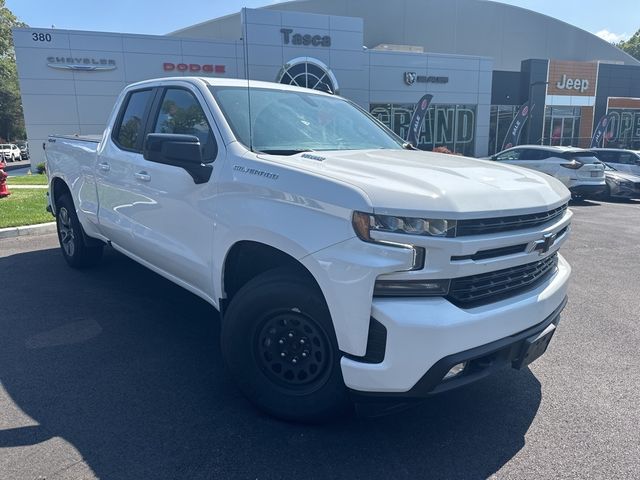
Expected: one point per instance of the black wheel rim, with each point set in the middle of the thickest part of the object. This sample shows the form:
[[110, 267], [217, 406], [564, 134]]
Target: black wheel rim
[[293, 350], [65, 230]]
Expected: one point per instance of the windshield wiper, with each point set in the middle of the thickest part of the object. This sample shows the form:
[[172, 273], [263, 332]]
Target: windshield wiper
[[285, 151]]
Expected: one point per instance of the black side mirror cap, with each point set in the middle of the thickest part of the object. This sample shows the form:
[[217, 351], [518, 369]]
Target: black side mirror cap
[[182, 151]]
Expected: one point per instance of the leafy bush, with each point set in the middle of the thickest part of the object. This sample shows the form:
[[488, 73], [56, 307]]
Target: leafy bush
[[41, 168]]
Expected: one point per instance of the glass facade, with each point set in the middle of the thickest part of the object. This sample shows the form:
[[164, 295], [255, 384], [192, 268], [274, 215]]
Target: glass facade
[[626, 128], [451, 126], [561, 126], [500, 118]]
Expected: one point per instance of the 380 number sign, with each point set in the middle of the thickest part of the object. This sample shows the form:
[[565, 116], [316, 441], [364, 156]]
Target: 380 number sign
[[41, 37]]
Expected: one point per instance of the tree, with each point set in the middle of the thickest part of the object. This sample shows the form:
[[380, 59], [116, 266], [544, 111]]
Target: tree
[[11, 115], [631, 46]]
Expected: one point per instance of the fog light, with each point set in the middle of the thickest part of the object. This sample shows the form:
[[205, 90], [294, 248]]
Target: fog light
[[455, 371]]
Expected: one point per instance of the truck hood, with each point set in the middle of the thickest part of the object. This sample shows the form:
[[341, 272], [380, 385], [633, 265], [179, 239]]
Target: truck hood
[[410, 182]]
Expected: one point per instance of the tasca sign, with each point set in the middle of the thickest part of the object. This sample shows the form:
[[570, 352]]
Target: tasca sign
[[297, 38]]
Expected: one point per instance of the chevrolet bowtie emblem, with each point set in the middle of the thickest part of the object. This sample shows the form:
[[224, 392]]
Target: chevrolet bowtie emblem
[[544, 245]]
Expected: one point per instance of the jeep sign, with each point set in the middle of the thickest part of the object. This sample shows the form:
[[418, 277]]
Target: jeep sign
[[582, 85]]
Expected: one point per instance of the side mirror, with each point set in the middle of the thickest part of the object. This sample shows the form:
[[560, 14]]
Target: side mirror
[[180, 151]]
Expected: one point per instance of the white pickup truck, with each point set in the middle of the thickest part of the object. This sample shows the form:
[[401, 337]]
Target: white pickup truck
[[346, 265]]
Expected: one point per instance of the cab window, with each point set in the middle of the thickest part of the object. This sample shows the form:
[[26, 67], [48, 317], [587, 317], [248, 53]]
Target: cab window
[[130, 127], [181, 113], [627, 158], [509, 155], [535, 154]]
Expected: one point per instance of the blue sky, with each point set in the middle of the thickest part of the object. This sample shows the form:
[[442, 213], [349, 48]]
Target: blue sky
[[612, 19]]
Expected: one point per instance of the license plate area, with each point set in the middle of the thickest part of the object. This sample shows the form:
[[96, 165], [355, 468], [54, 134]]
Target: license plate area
[[534, 347], [595, 173]]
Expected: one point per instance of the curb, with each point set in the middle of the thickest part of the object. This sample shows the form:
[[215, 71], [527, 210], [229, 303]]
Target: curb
[[17, 165], [39, 229]]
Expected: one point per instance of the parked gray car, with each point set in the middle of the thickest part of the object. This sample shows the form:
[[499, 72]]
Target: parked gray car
[[620, 184], [622, 160]]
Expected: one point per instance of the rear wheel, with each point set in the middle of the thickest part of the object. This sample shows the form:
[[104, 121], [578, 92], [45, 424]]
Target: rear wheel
[[278, 342], [75, 248]]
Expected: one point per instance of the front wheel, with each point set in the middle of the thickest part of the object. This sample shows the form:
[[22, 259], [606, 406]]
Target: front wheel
[[75, 249], [278, 342]]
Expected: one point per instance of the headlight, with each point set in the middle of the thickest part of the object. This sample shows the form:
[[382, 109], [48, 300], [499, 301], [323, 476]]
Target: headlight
[[365, 223], [623, 183], [411, 288]]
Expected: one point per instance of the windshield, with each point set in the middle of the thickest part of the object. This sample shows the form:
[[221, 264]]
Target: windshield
[[607, 166], [582, 156], [286, 122], [4, 147]]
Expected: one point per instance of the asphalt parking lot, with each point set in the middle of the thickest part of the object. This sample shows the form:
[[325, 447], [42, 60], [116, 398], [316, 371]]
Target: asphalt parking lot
[[116, 373]]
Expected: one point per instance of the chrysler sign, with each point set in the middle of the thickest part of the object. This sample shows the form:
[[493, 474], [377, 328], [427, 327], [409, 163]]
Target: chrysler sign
[[86, 64]]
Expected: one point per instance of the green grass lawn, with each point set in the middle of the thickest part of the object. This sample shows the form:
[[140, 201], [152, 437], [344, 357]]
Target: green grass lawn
[[25, 206], [36, 179]]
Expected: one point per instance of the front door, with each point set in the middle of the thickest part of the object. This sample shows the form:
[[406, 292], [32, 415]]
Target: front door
[[174, 229]]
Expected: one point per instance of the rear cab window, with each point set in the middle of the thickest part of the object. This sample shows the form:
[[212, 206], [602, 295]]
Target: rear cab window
[[130, 124]]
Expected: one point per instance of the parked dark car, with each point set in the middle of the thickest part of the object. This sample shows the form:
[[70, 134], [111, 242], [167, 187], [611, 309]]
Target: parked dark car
[[24, 150], [622, 160], [620, 184]]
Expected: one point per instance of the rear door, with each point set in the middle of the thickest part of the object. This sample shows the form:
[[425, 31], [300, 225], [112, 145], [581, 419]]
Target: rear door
[[173, 227], [526, 157], [119, 159]]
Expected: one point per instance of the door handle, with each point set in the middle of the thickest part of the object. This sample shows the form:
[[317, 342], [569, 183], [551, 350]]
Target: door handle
[[104, 167], [142, 176]]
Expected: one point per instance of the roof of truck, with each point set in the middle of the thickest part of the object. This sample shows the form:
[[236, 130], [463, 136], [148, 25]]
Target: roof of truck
[[228, 82]]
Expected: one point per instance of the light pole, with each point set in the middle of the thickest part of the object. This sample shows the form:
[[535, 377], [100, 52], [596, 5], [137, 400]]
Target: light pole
[[531, 85]]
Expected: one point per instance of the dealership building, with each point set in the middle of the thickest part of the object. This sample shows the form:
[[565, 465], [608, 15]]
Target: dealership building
[[481, 60]]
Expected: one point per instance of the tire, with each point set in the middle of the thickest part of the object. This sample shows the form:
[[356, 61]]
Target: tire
[[75, 250], [278, 342]]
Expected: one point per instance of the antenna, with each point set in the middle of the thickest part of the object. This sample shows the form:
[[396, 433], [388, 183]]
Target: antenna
[[246, 72]]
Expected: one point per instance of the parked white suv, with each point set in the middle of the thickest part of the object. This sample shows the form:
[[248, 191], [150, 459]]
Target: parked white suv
[[9, 152], [580, 171]]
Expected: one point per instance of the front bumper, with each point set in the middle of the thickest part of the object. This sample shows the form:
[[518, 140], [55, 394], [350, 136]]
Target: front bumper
[[425, 335], [625, 190]]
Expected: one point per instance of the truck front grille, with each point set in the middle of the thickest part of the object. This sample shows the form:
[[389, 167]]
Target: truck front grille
[[482, 226], [476, 290]]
